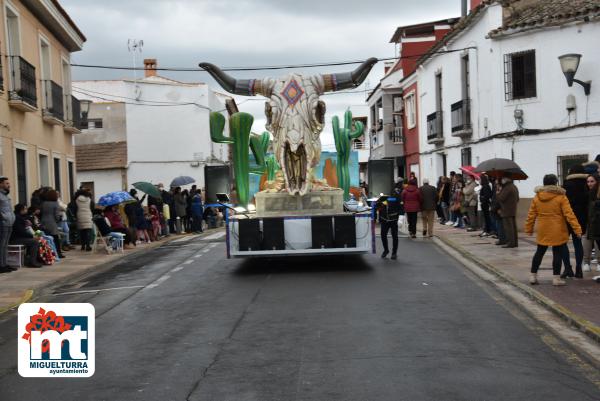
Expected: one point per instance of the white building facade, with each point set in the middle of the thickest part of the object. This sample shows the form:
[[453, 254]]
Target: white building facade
[[494, 88], [164, 123]]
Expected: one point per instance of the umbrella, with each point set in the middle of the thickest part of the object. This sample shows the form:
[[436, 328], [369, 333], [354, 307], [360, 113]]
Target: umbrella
[[148, 188], [114, 198], [182, 180], [501, 168], [470, 170]]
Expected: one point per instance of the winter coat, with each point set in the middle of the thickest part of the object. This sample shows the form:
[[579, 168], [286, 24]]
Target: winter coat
[[180, 205], [196, 208], [50, 214], [553, 212], [470, 198], [592, 167], [444, 193], [593, 225], [508, 198], [19, 230], [485, 196], [577, 193], [411, 197], [84, 212], [7, 216], [115, 220], [429, 196]]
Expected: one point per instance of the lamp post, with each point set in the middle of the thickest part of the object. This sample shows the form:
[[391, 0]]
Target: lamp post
[[85, 109], [569, 63]]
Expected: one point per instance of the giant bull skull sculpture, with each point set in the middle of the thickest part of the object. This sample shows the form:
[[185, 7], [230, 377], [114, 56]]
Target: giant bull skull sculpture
[[295, 114]]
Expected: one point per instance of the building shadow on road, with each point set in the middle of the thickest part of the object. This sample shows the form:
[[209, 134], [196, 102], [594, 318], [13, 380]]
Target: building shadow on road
[[304, 264]]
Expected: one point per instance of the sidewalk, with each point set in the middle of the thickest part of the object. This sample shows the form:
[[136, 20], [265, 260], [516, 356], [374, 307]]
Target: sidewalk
[[20, 286], [577, 302]]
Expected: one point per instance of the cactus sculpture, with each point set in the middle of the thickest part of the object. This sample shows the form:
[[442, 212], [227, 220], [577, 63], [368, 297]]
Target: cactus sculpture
[[241, 138], [343, 144], [260, 145]]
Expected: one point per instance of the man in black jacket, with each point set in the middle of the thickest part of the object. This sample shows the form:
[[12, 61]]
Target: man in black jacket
[[389, 212], [577, 193]]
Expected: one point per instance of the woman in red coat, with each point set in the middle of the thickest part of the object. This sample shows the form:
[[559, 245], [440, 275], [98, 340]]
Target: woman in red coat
[[411, 198]]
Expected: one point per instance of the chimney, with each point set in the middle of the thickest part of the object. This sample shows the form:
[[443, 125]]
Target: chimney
[[387, 65], [150, 67], [464, 8], [475, 3]]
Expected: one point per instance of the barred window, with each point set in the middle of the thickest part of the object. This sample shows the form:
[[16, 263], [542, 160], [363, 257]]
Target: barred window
[[519, 75]]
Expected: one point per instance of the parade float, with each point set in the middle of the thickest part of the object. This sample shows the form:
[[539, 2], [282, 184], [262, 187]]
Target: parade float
[[294, 213]]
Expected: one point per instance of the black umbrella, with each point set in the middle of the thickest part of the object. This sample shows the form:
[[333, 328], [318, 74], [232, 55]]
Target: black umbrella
[[501, 168]]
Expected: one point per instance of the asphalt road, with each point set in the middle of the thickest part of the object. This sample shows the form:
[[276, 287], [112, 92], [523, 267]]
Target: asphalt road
[[183, 323]]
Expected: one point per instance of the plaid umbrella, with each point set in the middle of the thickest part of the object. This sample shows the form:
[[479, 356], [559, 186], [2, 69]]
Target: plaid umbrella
[[114, 198]]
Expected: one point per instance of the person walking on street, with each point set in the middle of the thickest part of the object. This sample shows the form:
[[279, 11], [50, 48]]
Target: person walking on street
[[7, 219], [196, 211], [593, 220], [429, 197], [577, 193], [470, 202], [180, 200], [411, 198], [389, 212], [508, 199], [552, 211]]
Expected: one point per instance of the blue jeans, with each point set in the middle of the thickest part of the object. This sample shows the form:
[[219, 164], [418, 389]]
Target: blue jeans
[[578, 245]]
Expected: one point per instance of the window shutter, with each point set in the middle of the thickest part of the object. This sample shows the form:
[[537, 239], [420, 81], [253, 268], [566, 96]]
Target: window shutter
[[529, 74]]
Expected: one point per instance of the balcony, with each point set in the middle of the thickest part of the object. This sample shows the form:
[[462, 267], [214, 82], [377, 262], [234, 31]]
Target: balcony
[[72, 114], [435, 128], [53, 111], [23, 92], [461, 119], [397, 136], [360, 145]]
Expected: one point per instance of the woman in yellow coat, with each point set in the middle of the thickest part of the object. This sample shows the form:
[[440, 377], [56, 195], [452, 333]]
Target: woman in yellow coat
[[552, 210]]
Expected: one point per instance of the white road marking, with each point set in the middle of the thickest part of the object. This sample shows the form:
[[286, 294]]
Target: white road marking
[[214, 236], [187, 262], [98, 290], [158, 282], [184, 239], [178, 268]]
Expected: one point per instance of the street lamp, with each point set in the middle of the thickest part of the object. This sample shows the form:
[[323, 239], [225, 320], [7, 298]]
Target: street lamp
[[569, 63], [85, 109]]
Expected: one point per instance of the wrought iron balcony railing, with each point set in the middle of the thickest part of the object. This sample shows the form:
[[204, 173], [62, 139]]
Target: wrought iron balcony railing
[[435, 127], [22, 83], [53, 100], [461, 118]]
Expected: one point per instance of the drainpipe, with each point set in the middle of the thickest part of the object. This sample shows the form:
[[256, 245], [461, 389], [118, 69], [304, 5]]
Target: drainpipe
[[464, 8]]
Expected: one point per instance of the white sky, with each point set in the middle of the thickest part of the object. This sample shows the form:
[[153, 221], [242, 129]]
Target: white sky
[[182, 33]]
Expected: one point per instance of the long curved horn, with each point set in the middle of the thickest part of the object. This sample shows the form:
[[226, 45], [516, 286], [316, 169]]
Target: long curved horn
[[347, 80], [245, 87]]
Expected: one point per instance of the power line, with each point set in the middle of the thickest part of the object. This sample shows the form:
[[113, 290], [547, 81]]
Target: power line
[[268, 67]]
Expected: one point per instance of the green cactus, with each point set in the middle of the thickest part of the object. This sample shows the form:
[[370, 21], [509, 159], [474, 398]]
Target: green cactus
[[240, 125], [260, 145], [343, 145], [241, 138]]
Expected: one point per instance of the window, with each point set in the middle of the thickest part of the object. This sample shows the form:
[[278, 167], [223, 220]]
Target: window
[[465, 77], [465, 156], [21, 159], [519, 75], [94, 123], [12, 28], [71, 168], [411, 110], [564, 163], [397, 103], [57, 185], [44, 170], [438, 91]]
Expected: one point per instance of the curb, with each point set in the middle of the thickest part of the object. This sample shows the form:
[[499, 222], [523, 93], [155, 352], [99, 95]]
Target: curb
[[101, 267], [25, 298], [585, 326]]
